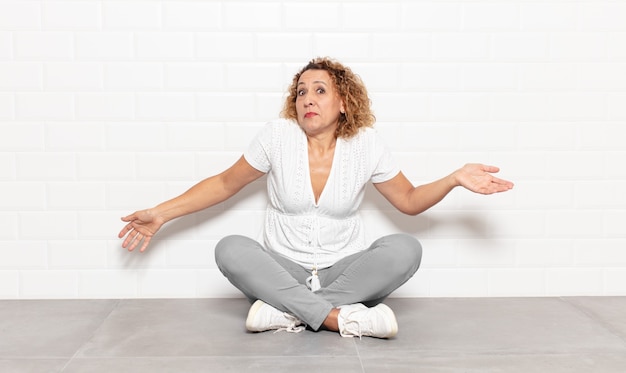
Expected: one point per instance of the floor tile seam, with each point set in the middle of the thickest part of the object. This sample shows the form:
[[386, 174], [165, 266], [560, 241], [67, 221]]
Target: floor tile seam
[[39, 357], [358, 354], [464, 354], [597, 320], [447, 354], [199, 357], [92, 334], [202, 356], [510, 354]]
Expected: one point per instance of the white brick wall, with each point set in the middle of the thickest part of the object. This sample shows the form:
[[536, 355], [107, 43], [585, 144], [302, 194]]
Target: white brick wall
[[111, 106]]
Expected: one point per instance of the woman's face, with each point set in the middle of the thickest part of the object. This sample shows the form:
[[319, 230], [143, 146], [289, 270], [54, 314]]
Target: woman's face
[[318, 104]]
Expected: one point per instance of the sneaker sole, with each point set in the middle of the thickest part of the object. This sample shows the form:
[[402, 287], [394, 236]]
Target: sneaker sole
[[253, 310], [390, 316]]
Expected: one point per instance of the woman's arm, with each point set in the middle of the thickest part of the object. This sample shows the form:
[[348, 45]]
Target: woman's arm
[[412, 200], [143, 224]]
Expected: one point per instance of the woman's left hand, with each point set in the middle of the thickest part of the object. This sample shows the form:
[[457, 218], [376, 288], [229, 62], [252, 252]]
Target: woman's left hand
[[479, 179]]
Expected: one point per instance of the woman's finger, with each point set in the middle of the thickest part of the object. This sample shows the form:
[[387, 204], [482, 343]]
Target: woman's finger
[[136, 241], [146, 241], [127, 228], [131, 241]]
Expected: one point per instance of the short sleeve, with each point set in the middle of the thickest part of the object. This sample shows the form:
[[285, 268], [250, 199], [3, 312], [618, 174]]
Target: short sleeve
[[259, 150], [385, 165]]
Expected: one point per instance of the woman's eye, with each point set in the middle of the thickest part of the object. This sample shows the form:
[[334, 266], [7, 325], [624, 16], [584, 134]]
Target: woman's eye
[[302, 92]]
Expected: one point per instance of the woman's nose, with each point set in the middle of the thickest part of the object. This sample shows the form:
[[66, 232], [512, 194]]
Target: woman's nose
[[307, 101]]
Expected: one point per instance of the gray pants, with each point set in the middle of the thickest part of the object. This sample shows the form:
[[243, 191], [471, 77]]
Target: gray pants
[[366, 277]]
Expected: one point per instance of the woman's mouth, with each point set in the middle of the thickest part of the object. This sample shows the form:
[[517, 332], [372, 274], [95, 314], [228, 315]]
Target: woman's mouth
[[310, 115]]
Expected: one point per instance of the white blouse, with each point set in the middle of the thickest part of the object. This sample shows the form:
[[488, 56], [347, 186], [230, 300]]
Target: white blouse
[[316, 235]]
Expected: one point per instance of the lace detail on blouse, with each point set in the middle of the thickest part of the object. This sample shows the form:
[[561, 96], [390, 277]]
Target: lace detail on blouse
[[316, 235]]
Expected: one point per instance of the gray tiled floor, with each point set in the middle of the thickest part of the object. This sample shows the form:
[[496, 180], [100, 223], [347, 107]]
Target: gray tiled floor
[[582, 334]]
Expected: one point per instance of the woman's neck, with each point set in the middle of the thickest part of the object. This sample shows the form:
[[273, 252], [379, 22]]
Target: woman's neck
[[322, 143]]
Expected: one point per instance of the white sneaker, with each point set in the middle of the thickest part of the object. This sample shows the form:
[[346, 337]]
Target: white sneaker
[[262, 317], [358, 320]]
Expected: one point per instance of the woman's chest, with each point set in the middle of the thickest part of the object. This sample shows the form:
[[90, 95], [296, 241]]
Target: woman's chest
[[332, 185]]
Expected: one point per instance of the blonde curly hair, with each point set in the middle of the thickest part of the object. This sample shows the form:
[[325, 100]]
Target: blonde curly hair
[[351, 90]]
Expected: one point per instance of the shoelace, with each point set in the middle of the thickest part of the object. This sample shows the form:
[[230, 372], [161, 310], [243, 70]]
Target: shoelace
[[359, 332], [292, 328]]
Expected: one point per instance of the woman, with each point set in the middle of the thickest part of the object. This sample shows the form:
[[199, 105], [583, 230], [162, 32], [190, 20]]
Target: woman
[[313, 267]]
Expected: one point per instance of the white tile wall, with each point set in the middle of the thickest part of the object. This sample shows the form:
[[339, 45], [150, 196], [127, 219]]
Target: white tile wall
[[131, 15], [109, 106], [71, 14]]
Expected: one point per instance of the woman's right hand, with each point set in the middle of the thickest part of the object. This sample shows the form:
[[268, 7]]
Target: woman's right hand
[[142, 225]]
